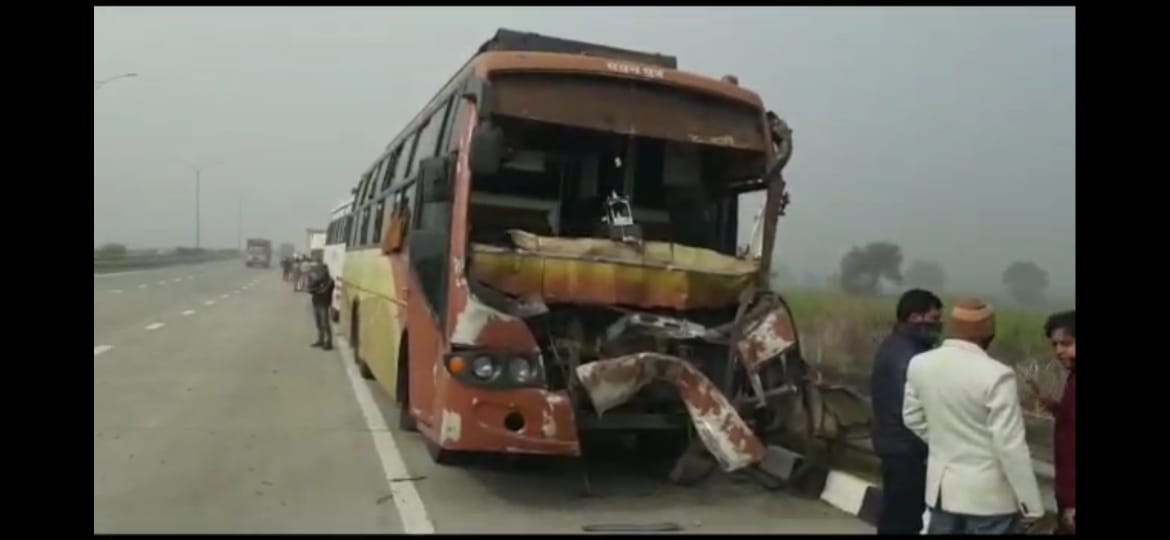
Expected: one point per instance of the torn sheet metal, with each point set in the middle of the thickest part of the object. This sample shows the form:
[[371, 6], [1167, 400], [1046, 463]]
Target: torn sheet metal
[[658, 325], [614, 381], [767, 333]]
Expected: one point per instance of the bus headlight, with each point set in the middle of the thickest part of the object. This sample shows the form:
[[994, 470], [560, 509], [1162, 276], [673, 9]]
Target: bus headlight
[[483, 367], [520, 370], [495, 370]]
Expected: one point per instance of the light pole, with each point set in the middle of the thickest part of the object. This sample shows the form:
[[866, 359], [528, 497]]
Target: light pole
[[98, 84], [239, 221], [197, 182]]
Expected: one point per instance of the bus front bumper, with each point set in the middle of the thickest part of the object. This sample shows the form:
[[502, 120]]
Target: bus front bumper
[[515, 421]]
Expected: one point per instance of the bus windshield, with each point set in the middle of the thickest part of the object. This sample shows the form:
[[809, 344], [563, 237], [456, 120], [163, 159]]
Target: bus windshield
[[673, 155]]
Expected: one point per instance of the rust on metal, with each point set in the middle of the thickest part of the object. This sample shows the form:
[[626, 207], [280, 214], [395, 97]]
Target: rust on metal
[[723, 432], [767, 333], [491, 63], [597, 271], [616, 106]]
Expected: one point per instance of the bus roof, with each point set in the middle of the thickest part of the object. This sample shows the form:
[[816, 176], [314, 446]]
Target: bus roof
[[495, 62], [511, 40], [519, 52]]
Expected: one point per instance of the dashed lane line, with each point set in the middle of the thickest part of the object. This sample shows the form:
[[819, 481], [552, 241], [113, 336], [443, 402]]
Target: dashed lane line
[[99, 349], [189, 312], [155, 326]]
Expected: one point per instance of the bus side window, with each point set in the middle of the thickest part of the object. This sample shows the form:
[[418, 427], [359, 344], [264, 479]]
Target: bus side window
[[365, 225], [399, 222], [379, 212], [391, 168], [455, 126]]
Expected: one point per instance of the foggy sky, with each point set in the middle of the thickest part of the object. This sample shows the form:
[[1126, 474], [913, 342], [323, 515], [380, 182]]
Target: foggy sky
[[948, 130]]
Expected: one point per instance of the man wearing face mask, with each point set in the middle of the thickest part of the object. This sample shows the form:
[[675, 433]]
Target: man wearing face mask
[[903, 454]]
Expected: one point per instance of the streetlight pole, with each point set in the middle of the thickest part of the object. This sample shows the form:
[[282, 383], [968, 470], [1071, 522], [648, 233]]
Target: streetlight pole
[[197, 182], [98, 84], [239, 221]]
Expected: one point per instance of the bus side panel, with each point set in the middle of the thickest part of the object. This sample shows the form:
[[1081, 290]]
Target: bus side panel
[[426, 349], [370, 283], [381, 323], [400, 267]]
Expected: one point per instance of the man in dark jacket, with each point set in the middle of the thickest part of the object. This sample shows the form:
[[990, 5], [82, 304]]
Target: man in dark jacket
[[320, 286], [903, 454]]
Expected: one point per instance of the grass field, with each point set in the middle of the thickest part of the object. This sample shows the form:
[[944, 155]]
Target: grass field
[[840, 334]]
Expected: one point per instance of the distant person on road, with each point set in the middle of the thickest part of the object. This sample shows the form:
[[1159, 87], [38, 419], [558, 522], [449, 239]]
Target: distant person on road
[[303, 268], [296, 272], [320, 287], [285, 267], [903, 454], [966, 406], [1061, 330]]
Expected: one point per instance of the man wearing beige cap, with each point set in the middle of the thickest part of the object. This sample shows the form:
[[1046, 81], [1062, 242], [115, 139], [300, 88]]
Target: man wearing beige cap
[[965, 405]]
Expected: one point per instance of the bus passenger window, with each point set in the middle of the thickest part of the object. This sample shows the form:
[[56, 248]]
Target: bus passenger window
[[365, 226], [391, 165], [379, 210], [404, 154]]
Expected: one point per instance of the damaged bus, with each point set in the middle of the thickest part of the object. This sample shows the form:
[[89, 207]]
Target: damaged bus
[[549, 248]]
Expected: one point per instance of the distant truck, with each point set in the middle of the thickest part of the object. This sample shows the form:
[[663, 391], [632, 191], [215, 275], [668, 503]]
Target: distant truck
[[258, 253], [315, 244]]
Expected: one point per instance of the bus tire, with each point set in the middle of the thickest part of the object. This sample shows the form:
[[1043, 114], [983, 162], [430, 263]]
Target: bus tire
[[442, 456], [406, 419], [355, 341], [364, 368], [355, 332]]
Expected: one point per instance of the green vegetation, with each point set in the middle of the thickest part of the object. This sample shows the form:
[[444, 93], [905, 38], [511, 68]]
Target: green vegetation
[[840, 334]]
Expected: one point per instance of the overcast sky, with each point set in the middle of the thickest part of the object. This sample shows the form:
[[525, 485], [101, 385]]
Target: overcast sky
[[950, 131]]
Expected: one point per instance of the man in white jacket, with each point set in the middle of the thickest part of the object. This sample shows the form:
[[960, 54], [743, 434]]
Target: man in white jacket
[[964, 404]]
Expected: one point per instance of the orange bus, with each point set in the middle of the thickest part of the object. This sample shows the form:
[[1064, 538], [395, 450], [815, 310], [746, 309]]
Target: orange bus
[[553, 236]]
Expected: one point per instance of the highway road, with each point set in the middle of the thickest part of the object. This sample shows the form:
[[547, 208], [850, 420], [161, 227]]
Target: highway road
[[213, 415]]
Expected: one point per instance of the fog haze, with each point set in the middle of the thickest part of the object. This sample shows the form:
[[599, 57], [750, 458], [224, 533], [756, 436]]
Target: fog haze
[[950, 131]]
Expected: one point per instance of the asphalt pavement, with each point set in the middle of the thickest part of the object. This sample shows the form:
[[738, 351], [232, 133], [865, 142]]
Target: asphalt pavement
[[213, 415]]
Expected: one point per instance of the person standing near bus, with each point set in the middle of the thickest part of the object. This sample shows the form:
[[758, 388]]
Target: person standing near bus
[[903, 455], [320, 287], [966, 406], [1061, 330]]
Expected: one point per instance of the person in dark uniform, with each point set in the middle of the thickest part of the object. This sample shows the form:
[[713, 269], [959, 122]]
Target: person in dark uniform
[[320, 287], [903, 454], [285, 267]]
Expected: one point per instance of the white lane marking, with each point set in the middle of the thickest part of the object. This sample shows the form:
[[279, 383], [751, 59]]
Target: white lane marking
[[162, 282], [411, 511], [116, 291], [209, 303], [226, 296], [189, 312], [176, 280], [99, 349], [155, 326], [143, 286]]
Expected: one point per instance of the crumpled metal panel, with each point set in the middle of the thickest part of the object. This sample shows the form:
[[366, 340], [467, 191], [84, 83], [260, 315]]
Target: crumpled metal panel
[[614, 381], [767, 333], [600, 271]]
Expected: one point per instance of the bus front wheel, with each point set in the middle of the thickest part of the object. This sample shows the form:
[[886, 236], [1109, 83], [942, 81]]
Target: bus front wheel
[[355, 342], [406, 420]]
